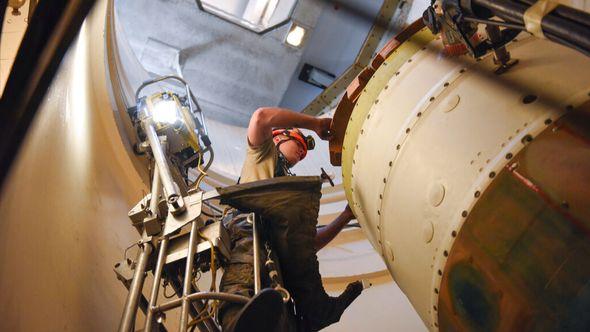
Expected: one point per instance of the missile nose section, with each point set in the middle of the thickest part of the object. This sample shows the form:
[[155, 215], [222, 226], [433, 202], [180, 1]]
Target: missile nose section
[[473, 186]]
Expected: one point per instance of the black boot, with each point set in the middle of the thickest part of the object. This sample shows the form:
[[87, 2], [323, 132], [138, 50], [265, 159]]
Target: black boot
[[289, 209], [262, 313]]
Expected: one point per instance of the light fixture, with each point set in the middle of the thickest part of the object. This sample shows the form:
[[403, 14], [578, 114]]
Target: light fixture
[[296, 35], [316, 76], [166, 114], [165, 111], [259, 16]]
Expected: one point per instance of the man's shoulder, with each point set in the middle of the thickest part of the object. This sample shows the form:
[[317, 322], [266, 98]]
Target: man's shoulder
[[260, 152], [260, 162]]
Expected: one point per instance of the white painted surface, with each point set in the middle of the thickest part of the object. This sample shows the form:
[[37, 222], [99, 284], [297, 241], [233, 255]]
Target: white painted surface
[[436, 140], [64, 206]]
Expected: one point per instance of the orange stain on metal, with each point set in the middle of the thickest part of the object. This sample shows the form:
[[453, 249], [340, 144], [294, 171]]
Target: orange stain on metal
[[520, 260]]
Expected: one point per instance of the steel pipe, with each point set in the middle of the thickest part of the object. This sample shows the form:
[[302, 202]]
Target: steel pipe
[[253, 219], [156, 286], [175, 279], [188, 276], [202, 296], [219, 296], [162, 164], [156, 188], [207, 324], [131, 304]]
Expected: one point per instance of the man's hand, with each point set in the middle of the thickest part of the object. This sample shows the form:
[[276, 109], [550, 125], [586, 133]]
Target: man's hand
[[322, 128], [327, 233], [347, 213]]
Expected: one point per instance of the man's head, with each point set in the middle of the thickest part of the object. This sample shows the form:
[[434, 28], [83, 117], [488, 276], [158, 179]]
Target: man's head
[[292, 144]]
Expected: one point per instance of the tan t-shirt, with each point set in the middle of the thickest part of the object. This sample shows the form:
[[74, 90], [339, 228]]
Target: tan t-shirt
[[260, 162]]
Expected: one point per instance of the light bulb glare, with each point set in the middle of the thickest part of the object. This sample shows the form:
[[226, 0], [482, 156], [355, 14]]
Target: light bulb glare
[[295, 36], [165, 111]]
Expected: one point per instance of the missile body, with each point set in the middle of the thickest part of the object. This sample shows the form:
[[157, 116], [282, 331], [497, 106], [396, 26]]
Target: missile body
[[475, 187]]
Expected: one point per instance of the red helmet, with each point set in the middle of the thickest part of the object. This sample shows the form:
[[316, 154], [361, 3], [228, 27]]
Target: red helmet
[[307, 142]]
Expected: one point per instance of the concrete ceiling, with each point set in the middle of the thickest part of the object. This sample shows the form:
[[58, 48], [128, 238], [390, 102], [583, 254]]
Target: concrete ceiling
[[234, 71]]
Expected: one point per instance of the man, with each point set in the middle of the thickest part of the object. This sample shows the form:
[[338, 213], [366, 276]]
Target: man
[[271, 153]]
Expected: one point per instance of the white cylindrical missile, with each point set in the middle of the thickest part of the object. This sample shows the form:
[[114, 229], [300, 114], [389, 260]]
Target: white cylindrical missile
[[473, 186]]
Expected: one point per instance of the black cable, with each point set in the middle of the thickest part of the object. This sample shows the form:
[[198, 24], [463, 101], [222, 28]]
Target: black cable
[[567, 44], [569, 32], [566, 12], [165, 284], [208, 214], [496, 23], [211, 157], [213, 207]]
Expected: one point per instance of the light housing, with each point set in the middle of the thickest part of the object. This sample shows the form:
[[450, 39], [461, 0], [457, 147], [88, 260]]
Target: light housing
[[166, 111], [296, 36], [259, 16]]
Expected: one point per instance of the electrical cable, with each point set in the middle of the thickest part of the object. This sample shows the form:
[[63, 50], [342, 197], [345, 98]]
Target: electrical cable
[[203, 173], [209, 314], [569, 32], [208, 214], [493, 22], [164, 293], [217, 213], [213, 207], [211, 157], [127, 249], [197, 276], [566, 43]]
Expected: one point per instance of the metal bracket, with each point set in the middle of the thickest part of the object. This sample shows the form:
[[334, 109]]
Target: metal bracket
[[178, 246], [140, 211], [193, 211], [152, 225], [124, 271]]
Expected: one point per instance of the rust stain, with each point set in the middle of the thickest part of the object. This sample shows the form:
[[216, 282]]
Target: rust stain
[[519, 263]]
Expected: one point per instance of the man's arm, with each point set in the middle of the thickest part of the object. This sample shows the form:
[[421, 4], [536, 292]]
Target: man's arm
[[267, 118], [327, 233]]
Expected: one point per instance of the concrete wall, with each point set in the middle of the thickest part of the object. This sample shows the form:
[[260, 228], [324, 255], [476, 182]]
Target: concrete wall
[[63, 209], [332, 46], [233, 71]]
